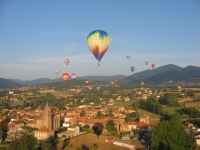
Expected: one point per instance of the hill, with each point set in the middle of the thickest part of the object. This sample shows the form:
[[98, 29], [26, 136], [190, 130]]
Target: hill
[[4, 83], [165, 74]]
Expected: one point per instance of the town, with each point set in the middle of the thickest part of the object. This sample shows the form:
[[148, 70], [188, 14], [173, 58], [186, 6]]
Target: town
[[122, 116]]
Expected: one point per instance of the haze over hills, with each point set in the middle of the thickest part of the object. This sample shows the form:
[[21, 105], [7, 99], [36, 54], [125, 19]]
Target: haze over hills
[[151, 76]]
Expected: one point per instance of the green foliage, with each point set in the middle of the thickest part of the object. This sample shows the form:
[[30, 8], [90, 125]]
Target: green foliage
[[192, 112], [99, 115], [82, 113], [191, 93], [26, 142], [29, 129], [169, 99], [45, 144], [151, 105], [86, 126], [2, 148], [170, 135], [62, 129], [110, 126], [4, 124]]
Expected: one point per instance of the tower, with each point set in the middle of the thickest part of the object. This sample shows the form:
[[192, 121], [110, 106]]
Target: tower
[[47, 117]]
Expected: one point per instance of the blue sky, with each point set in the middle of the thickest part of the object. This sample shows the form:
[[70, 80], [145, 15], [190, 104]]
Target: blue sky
[[36, 36]]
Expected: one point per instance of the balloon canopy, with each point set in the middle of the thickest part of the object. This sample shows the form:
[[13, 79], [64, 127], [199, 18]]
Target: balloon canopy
[[67, 61], [73, 76], [153, 65], [98, 128], [146, 62], [11, 92], [132, 69], [128, 56], [98, 42], [56, 71], [65, 77]]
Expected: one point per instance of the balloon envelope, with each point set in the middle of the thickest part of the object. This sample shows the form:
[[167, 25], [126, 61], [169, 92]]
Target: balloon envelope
[[146, 62], [98, 42], [98, 128], [142, 83], [116, 80], [56, 71], [11, 92], [128, 56], [98, 87], [67, 61], [132, 69], [65, 77], [73, 76], [86, 81], [153, 65]]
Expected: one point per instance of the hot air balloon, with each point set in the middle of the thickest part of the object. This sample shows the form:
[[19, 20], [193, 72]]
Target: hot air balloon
[[67, 61], [11, 92], [132, 69], [98, 42], [128, 56], [98, 87], [86, 81], [179, 87], [65, 77], [142, 83], [153, 65], [56, 71], [73, 76], [146, 62], [112, 83], [116, 80], [98, 128]]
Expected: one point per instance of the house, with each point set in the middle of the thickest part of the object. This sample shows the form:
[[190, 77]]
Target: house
[[14, 127], [72, 131], [44, 133], [110, 140]]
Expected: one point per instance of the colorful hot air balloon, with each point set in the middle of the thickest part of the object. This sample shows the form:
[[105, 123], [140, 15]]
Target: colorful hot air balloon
[[67, 61], [146, 62], [86, 81], [128, 56], [98, 41], [116, 80], [73, 76], [65, 77], [132, 69], [153, 65], [56, 71]]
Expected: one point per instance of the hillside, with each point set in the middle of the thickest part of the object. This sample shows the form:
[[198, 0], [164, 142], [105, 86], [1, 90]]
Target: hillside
[[4, 83]]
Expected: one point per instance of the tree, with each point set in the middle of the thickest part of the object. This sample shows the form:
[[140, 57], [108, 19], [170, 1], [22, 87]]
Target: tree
[[26, 142], [45, 144], [191, 93], [170, 135], [99, 115], [82, 113], [110, 126], [169, 99]]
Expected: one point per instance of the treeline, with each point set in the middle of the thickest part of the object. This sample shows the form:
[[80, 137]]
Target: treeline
[[191, 112], [151, 105]]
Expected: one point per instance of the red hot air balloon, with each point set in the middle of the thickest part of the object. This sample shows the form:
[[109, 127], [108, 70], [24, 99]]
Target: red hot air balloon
[[153, 65], [65, 77]]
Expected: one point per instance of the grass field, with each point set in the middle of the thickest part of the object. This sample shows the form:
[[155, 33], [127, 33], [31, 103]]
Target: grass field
[[87, 140]]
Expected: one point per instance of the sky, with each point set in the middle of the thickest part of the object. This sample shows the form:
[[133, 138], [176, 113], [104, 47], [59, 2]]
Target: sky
[[37, 36]]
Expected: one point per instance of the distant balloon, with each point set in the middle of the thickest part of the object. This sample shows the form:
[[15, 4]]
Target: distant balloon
[[67, 61], [112, 83], [142, 83], [73, 76], [98, 128], [98, 42], [132, 69], [98, 87], [116, 80], [11, 92], [56, 71], [153, 65], [86, 81], [65, 77], [128, 56], [146, 62], [179, 87]]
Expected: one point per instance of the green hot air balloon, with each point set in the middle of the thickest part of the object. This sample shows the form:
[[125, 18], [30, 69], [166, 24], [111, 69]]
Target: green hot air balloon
[[132, 69]]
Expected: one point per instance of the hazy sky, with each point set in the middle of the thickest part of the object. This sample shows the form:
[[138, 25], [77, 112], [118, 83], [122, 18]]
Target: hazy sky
[[36, 36]]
